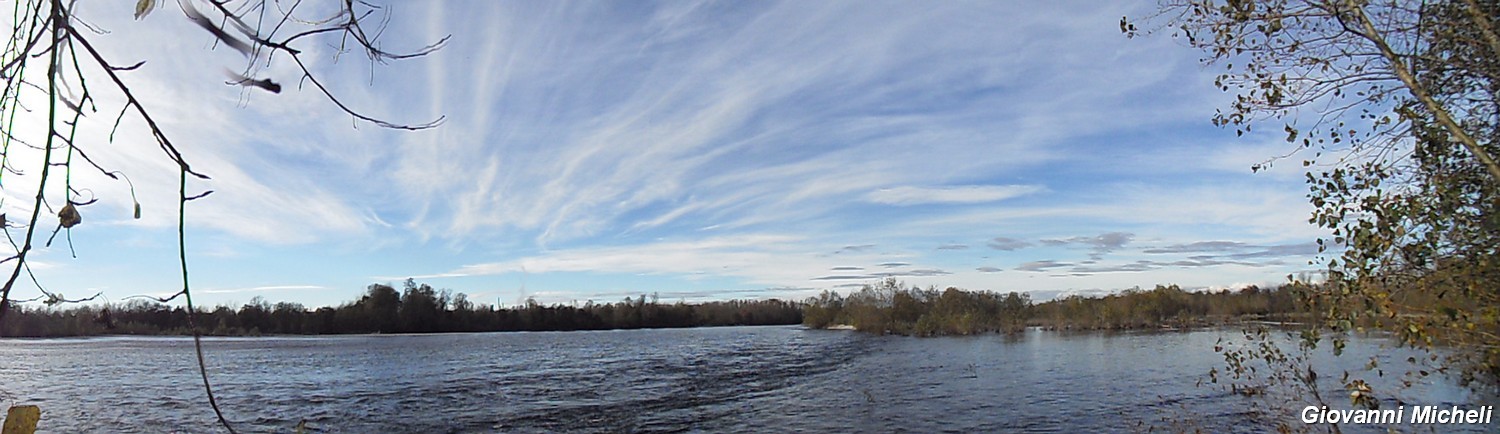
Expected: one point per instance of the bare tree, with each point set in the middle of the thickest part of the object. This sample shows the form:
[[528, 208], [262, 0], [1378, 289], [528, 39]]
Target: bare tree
[[51, 57]]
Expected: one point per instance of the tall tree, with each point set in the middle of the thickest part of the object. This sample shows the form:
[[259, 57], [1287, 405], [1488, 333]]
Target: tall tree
[[382, 306]]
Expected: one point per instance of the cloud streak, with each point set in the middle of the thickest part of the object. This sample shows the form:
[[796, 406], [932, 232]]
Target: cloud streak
[[968, 194], [1008, 244], [263, 289], [705, 148], [1098, 245]]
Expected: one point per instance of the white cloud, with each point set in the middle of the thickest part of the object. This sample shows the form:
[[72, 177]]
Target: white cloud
[[744, 142], [772, 114], [954, 194], [768, 259], [263, 289]]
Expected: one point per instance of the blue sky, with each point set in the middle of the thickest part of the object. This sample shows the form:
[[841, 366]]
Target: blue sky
[[595, 150]]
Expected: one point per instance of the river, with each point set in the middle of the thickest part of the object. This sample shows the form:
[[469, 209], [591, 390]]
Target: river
[[732, 379]]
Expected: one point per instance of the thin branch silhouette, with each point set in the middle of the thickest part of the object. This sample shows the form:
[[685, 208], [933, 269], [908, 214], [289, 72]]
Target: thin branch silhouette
[[70, 59]]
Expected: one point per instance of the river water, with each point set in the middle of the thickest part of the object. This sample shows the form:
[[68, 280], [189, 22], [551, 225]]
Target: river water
[[733, 379]]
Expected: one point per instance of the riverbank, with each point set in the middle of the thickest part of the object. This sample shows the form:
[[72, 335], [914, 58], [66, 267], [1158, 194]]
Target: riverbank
[[382, 309], [892, 308]]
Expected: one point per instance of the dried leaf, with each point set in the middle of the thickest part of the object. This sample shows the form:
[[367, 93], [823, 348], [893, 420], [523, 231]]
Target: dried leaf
[[263, 83], [207, 24], [69, 217], [144, 7], [22, 419]]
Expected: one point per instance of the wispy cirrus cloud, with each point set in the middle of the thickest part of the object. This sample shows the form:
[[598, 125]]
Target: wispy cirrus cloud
[[759, 259], [1237, 250], [264, 289], [736, 147], [966, 194], [926, 272], [811, 115], [1199, 246]]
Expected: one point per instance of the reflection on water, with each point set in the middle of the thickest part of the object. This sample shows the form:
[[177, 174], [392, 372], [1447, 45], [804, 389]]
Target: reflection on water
[[741, 379]]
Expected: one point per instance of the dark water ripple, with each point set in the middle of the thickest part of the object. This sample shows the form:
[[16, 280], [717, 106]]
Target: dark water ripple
[[751, 379]]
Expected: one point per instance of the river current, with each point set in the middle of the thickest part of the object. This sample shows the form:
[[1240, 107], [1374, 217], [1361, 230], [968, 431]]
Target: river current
[[732, 379]]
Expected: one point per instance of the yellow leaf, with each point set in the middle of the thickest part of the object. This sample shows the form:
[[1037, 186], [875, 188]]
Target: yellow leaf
[[144, 7], [22, 419]]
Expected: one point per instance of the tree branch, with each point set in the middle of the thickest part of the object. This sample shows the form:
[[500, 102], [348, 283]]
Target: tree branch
[[1398, 66]]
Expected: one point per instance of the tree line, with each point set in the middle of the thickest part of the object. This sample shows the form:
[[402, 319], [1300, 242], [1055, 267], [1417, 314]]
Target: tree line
[[416, 308], [887, 307], [1171, 306], [890, 307]]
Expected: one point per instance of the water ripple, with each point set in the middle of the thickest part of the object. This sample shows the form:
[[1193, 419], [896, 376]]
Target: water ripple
[[752, 379]]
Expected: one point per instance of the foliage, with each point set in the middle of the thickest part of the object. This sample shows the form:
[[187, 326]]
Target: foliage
[[1403, 98], [1170, 306], [417, 308], [890, 307], [1257, 366]]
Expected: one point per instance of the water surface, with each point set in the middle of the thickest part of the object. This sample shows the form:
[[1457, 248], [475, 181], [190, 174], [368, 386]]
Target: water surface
[[733, 379]]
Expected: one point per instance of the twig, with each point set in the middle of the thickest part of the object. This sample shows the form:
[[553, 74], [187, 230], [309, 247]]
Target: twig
[[188, 295], [36, 208]]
